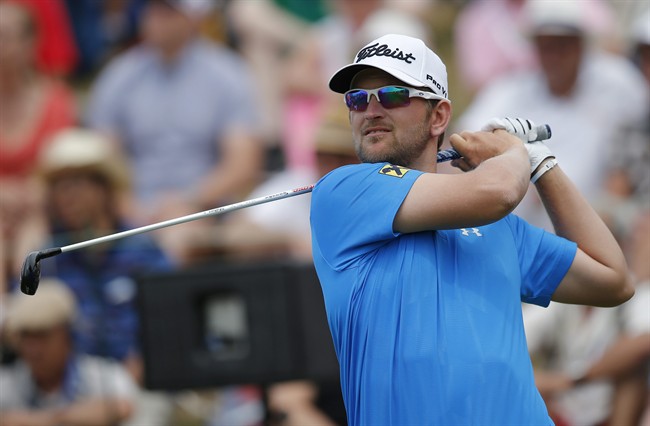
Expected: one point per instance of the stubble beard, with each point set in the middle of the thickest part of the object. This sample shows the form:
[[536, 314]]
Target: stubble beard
[[400, 150]]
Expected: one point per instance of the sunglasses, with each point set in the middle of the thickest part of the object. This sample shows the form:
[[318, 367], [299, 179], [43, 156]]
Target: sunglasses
[[388, 97]]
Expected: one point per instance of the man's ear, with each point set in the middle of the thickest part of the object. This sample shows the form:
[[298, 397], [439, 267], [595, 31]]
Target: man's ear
[[440, 118]]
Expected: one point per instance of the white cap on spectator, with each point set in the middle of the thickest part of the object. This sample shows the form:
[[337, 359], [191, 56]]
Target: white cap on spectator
[[556, 18]]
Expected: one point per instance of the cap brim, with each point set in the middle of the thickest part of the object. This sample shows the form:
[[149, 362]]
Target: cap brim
[[340, 81]]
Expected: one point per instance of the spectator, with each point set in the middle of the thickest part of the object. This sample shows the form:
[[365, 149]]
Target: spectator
[[490, 41], [266, 33], [185, 112], [55, 52], [586, 95], [84, 178], [33, 106], [51, 383]]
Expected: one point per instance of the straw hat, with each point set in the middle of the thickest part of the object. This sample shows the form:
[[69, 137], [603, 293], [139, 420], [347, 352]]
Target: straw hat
[[333, 133], [76, 149], [53, 305]]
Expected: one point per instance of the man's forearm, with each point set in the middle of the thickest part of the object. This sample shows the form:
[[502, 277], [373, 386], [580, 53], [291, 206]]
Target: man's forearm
[[574, 219]]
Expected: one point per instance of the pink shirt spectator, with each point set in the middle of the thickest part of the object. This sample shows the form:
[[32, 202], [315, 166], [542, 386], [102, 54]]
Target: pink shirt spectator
[[490, 41]]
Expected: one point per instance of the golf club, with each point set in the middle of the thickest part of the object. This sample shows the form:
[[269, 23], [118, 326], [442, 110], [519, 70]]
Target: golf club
[[30, 273]]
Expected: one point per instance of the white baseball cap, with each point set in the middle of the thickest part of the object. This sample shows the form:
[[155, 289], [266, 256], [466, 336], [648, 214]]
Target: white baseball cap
[[561, 18], [403, 57]]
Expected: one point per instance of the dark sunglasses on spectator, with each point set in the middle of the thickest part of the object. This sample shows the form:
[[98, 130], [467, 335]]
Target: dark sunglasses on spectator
[[388, 97]]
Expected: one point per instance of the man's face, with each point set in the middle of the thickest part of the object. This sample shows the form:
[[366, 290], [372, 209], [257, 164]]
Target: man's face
[[45, 351], [165, 27], [397, 135], [560, 58], [15, 38], [78, 198]]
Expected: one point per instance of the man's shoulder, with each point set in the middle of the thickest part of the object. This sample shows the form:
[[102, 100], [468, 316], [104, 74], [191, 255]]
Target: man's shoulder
[[125, 69]]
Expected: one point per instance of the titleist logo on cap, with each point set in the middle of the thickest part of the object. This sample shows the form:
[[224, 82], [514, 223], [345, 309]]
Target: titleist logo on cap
[[384, 50]]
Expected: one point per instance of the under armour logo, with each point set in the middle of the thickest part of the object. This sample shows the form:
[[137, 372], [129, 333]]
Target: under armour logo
[[475, 231]]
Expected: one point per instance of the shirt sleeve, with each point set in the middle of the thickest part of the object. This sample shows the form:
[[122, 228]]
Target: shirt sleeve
[[544, 260], [353, 209]]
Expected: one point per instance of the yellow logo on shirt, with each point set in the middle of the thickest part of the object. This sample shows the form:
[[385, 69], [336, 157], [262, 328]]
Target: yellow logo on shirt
[[395, 171]]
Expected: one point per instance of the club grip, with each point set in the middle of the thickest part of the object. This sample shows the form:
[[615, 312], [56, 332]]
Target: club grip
[[543, 133]]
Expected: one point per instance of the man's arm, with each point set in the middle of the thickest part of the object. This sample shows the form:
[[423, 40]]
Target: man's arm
[[497, 180], [598, 275]]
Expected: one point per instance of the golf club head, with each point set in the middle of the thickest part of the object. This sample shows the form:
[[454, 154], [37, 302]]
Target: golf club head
[[30, 274]]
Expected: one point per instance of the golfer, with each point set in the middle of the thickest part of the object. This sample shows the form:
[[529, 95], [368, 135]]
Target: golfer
[[423, 274]]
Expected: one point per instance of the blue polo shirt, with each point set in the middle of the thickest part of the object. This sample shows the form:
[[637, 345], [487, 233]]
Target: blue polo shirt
[[427, 326]]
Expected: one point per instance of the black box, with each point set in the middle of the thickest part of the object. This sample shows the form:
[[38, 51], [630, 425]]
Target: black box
[[228, 324]]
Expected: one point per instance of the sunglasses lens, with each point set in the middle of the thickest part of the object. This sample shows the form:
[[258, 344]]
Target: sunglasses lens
[[389, 97], [357, 100], [393, 97]]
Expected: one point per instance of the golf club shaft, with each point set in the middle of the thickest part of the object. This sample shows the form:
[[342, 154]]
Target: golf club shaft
[[189, 218]]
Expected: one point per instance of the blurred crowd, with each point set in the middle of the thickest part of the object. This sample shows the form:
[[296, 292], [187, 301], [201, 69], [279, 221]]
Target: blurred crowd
[[120, 113]]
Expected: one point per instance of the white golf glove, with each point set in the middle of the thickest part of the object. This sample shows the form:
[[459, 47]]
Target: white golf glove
[[525, 130]]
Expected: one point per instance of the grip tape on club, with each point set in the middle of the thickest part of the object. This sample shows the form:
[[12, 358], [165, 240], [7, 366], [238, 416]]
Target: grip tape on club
[[543, 133]]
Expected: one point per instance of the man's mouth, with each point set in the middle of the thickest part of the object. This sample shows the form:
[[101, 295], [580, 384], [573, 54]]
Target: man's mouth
[[372, 131]]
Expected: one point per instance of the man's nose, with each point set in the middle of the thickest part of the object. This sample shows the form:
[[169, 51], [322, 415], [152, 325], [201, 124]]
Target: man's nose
[[374, 106]]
